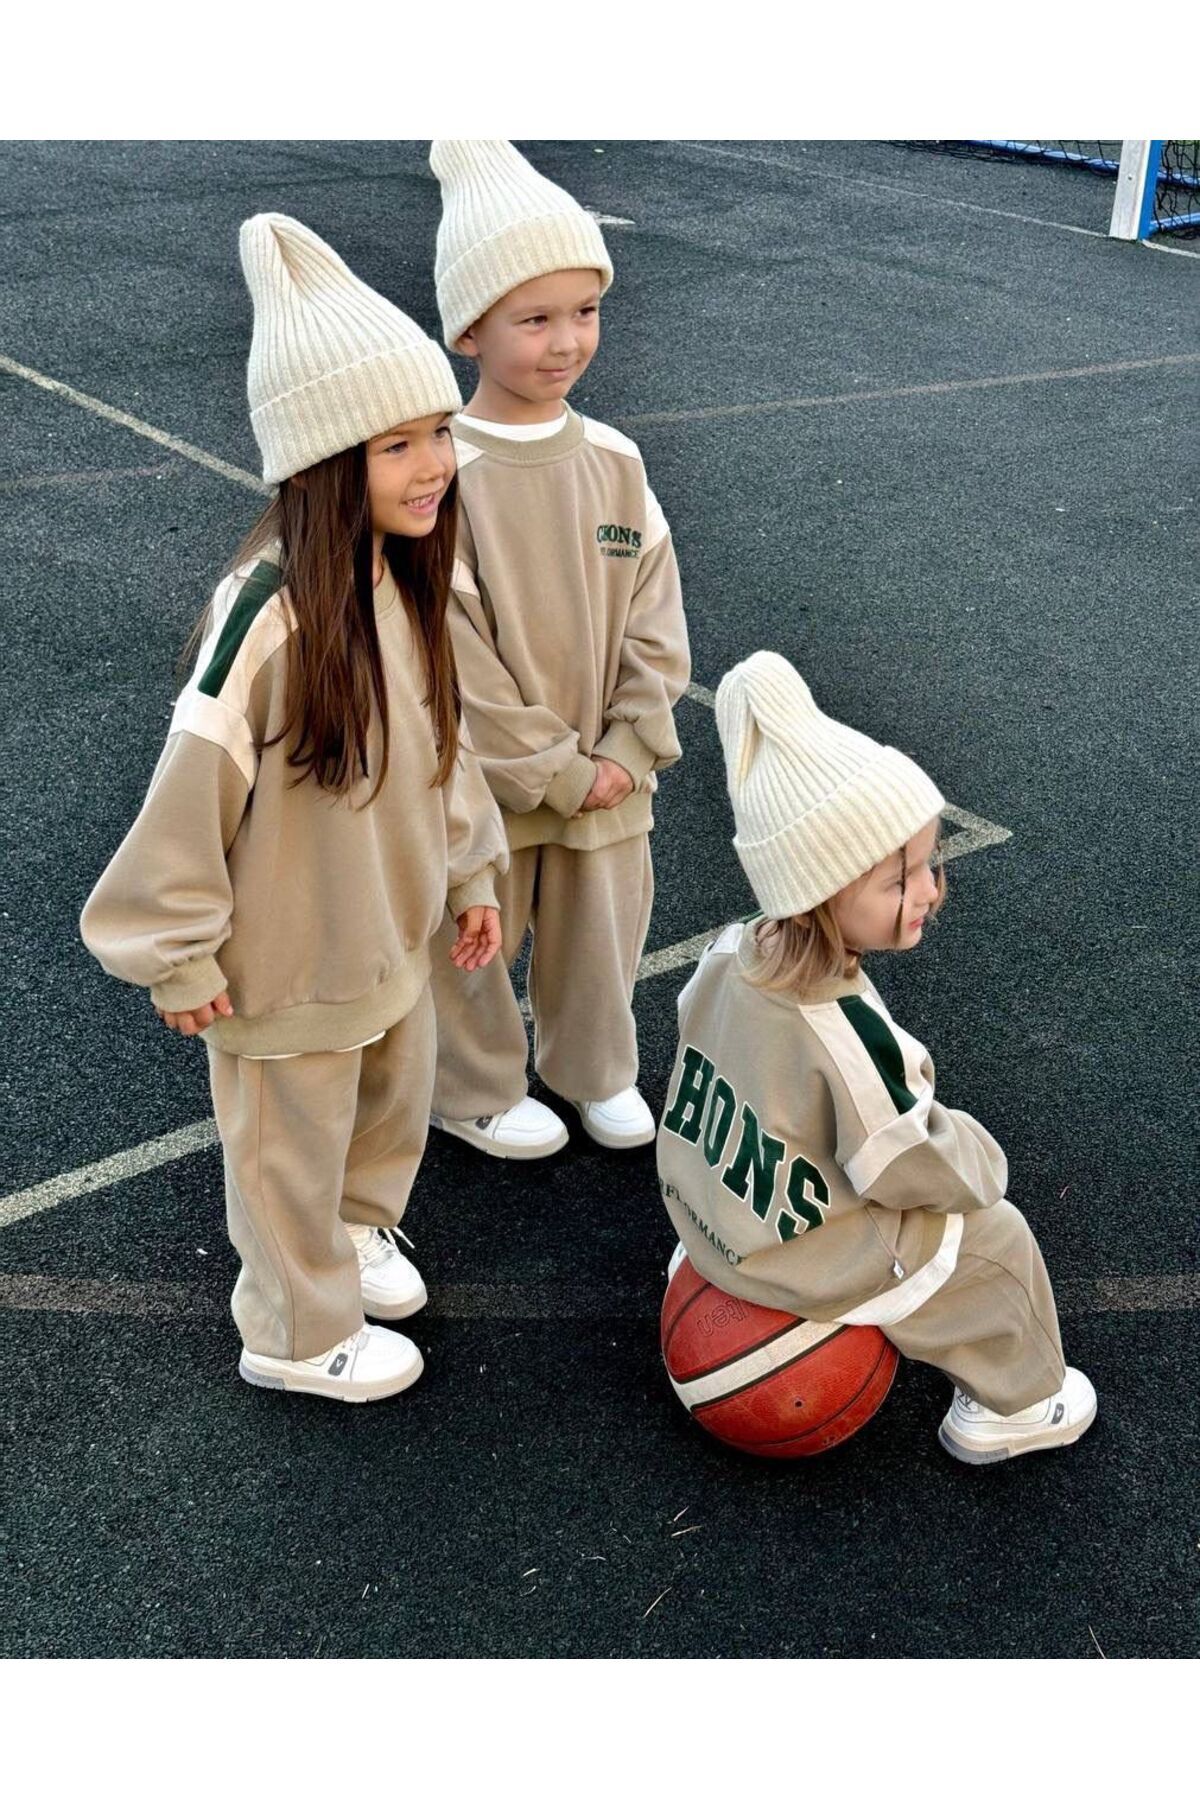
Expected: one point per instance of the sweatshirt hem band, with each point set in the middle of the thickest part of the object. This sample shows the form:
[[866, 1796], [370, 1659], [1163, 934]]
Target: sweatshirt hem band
[[321, 1025]]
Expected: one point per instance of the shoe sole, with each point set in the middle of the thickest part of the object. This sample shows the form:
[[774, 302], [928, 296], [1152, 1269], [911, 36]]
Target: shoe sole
[[609, 1140], [325, 1388], [1045, 1440], [400, 1309], [509, 1152]]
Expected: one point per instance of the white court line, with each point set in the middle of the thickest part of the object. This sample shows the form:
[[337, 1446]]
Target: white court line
[[107, 1173], [191, 1302], [88, 477], [912, 391], [820, 171], [1168, 249], [885, 187], [974, 833], [115, 416], [735, 409]]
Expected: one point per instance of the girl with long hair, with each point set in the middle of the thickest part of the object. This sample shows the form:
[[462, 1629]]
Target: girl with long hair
[[312, 817]]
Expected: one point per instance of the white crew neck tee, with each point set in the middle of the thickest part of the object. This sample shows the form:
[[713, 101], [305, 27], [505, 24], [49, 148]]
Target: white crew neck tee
[[517, 434]]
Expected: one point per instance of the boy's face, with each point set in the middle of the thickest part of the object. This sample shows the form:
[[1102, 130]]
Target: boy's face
[[408, 471], [535, 343], [903, 886]]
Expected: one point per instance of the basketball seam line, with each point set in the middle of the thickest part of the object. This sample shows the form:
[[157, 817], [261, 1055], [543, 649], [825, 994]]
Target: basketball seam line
[[832, 1420], [747, 1349], [809, 1350], [677, 1321]]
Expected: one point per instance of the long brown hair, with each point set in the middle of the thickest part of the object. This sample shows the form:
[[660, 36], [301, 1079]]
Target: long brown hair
[[318, 527]]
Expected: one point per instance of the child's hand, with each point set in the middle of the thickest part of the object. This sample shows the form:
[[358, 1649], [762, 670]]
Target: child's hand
[[191, 1024], [612, 785], [478, 937]]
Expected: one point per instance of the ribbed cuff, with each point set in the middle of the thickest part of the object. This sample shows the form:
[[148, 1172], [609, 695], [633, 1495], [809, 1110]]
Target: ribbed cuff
[[621, 744], [571, 786], [192, 984], [480, 890]]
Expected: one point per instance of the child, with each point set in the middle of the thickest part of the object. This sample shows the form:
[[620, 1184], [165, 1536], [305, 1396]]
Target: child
[[572, 651], [308, 819], [803, 1158]]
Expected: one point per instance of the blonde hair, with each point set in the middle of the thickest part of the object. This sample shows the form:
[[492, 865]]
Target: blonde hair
[[799, 956]]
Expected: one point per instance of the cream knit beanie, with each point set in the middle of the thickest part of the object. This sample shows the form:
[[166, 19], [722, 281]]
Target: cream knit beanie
[[332, 363], [815, 803], [502, 224]]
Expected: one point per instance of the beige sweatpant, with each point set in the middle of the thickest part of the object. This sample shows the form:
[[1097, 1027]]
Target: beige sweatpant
[[993, 1326], [311, 1141], [589, 911]]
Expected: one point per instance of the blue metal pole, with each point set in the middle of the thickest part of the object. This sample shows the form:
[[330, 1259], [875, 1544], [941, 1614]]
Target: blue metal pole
[[1183, 222], [1047, 153], [1150, 190]]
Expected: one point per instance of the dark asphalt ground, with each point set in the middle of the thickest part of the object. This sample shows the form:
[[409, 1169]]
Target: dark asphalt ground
[[994, 577]]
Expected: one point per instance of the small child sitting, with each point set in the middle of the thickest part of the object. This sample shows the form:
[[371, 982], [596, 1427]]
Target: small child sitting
[[803, 1158]]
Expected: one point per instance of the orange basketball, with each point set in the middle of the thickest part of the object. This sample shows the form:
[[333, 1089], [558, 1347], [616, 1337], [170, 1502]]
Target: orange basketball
[[768, 1382]]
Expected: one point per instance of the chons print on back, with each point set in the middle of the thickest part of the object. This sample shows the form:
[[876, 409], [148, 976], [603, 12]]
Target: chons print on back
[[704, 1102]]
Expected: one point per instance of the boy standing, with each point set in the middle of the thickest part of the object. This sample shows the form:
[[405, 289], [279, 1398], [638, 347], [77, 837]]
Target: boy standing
[[568, 629]]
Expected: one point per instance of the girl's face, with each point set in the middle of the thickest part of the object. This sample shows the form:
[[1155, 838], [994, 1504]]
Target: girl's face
[[903, 887], [408, 471]]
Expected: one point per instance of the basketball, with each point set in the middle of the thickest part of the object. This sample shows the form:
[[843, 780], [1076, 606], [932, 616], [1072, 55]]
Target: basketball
[[767, 1382]]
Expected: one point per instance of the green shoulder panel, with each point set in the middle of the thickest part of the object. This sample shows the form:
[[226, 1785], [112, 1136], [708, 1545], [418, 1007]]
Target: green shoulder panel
[[257, 589], [881, 1047]]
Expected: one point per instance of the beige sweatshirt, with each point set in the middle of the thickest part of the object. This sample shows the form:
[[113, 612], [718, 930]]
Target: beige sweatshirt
[[568, 627], [315, 912], [802, 1156]]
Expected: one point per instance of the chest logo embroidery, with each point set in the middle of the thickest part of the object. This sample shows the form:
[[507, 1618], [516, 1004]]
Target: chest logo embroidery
[[618, 540]]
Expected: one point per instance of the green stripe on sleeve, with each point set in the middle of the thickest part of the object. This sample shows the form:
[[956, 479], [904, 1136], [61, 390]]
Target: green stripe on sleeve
[[881, 1047], [256, 591]]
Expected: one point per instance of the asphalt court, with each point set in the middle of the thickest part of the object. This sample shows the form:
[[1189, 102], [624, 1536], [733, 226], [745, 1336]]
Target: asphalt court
[[943, 459]]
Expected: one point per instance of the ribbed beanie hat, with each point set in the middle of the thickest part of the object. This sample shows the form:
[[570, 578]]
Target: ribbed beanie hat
[[815, 803], [332, 363], [502, 224]]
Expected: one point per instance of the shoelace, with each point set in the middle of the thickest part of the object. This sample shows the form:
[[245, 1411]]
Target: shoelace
[[355, 1341], [384, 1244]]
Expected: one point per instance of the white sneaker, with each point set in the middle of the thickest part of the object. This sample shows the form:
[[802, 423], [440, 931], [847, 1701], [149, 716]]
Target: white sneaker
[[525, 1131], [975, 1434], [370, 1364], [391, 1286], [620, 1123]]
